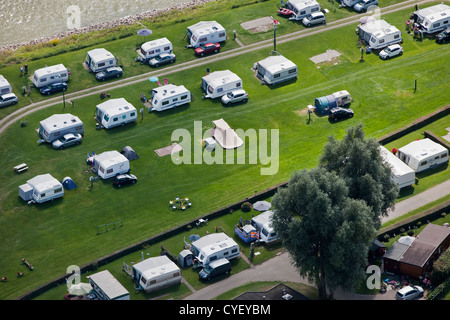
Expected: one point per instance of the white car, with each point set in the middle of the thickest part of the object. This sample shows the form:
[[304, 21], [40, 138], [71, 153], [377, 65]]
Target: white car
[[235, 96], [409, 293], [314, 18], [8, 99], [391, 51], [67, 140]]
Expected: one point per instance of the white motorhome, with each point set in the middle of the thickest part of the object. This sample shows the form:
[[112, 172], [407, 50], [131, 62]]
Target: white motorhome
[[433, 19], [263, 223], [423, 154], [110, 163], [115, 112], [57, 125], [401, 173], [153, 48], [41, 188], [205, 32], [48, 75], [156, 273], [218, 83], [100, 59], [276, 69], [5, 87], [302, 8], [169, 96], [379, 34]]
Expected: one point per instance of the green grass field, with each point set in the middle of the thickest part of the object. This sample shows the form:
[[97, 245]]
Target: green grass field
[[54, 235]]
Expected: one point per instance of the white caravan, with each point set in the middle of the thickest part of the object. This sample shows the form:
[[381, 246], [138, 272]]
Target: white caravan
[[110, 163], [226, 248], [168, 97], [48, 75], [276, 69], [433, 19], [154, 48], [401, 173], [57, 125], [100, 59], [379, 34], [423, 154], [302, 8], [5, 87], [115, 112], [205, 32], [41, 188], [219, 83], [107, 287], [156, 273], [263, 223]]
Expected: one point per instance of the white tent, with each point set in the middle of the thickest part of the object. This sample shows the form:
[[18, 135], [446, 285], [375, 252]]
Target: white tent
[[225, 136]]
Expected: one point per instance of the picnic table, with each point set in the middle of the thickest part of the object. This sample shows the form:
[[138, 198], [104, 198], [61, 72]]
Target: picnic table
[[21, 168]]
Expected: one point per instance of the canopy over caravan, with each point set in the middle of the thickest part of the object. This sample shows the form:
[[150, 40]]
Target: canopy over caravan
[[275, 69], [401, 173], [41, 188], [169, 96], [107, 287], [156, 273], [204, 32], [379, 34], [215, 246], [48, 75], [302, 8], [57, 125], [115, 112], [5, 87], [99, 59], [218, 83], [263, 223], [110, 163], [433, 19], [153, 48], [423, 154], [225, 136], [323, 105]]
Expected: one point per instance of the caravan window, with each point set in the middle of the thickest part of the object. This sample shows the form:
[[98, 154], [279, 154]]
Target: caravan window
[[58, 190], [219, 90], [210, 89], [62, 75], [101, 64], [42, 195], [183, 97], [303, 12], [115, 119], [222, 34], [151, 52], [423, 163], [43, 79], [443, 155], [381, 41], [175, 99], [158, 50], [144, 281], [153, 282], [396, 36], [106, 117], [101, 169], [203, 39], [109, 171], [314, 9], [292, 70], [124, 116], [234, 250], [238, 85], [56, 134], [194, 38], [165, 102], [166, 48], [276, 75], [212, 258], [176, 274], [132, 114], [436, 25], [373, 40]]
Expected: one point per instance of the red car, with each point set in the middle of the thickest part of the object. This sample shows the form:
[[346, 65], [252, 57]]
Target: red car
[[207, 48]]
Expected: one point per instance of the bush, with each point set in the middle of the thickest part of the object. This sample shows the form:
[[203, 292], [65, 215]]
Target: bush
[[410, 233], [386, 237], [441, 268], [246, 207]]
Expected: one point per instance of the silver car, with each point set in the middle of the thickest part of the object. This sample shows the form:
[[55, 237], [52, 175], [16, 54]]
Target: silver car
[[314, 18], [363, 5], [409, 293], [67, 140], [8, 99], [235, 96]]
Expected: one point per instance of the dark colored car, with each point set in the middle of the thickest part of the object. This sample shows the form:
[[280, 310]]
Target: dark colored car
[[207, 48], [113, 72], [54, 87], [444, 36], [123, 179], [340, 113], [215, 269], [163, 58]]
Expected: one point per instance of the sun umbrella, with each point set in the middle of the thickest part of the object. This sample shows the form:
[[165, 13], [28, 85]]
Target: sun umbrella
[[262, 205], [153, 79], [144, 32], [80, 289]]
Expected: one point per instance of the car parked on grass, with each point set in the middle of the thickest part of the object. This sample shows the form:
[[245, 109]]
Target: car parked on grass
[[409, 293], [8, 99], [391, 51], [235, 96], [123, 179], [163, 58], [339, 113], [109, 73], [54, 87], [207, 48], [67, 140], [363, 5], [314, 18], [444, 36]]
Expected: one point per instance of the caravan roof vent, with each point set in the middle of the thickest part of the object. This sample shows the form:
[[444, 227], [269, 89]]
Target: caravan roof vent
[[73, 120], [126, 107]]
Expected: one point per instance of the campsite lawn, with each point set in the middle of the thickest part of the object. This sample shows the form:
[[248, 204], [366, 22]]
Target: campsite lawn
[[54, 235]]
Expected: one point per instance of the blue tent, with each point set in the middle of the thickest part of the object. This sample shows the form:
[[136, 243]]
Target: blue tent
[[68, 183], [324, 104]]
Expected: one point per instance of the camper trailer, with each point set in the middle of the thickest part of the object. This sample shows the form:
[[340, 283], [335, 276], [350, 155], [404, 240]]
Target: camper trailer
[[323, 105], [5, 87], [48, 75], [401, 173], [205, 32], [99, 59], [106, 287], [115, 112], [57, 125], [154, 48], [41, 188], [213, 247], [276, 69], [379, 34], [263, 223], [169, 96], [109, 164], [156, 273], [423, 154], [302, 8], [219, 83], [433, 19]]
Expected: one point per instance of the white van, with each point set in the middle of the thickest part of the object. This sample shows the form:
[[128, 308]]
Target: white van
[[48, 75]]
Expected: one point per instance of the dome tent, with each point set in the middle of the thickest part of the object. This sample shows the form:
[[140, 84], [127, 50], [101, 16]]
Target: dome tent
[[68, 183], [129, 153]]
